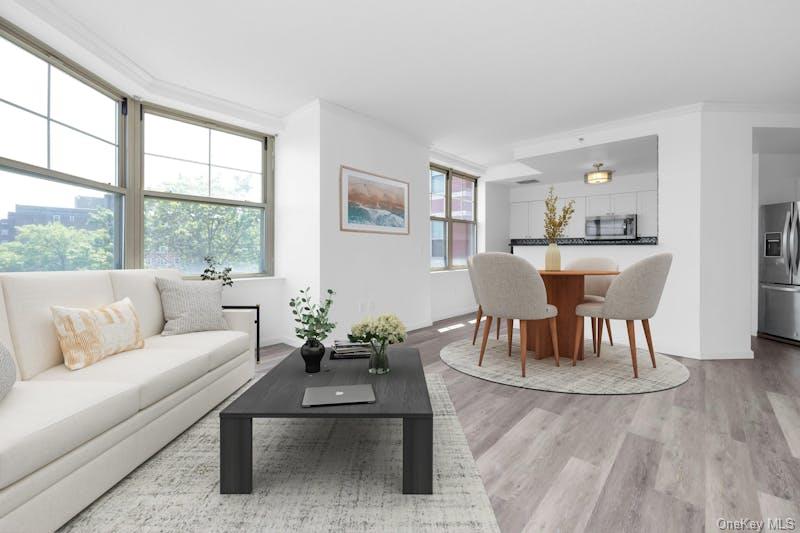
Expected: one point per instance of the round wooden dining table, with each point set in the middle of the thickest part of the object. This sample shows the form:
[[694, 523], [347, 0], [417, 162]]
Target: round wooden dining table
[[565, 290]]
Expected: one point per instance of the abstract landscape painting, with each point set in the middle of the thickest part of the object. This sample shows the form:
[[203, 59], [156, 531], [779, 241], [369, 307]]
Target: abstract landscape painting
[[372, 203]]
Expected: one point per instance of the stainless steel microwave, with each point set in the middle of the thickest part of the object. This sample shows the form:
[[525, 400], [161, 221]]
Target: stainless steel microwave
[[611, 227]]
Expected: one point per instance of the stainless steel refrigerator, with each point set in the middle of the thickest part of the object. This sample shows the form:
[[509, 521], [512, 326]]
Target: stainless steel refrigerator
[[779, 270]]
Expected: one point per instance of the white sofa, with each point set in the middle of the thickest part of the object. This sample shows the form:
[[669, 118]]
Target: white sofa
[[67, 436]]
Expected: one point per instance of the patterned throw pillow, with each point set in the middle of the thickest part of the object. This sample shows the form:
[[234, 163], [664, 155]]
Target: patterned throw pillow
[[8, 371], [88, 335], [191, 305]]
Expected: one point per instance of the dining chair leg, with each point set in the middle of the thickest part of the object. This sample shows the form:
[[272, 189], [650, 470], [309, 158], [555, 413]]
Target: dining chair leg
[[486, 329], [523, 343], [608, 328], [478, 317], [594, 334], [632, 342], [578, 340], [646, 326], [498, 328], [510, 332], [599, 335], [554, 338]]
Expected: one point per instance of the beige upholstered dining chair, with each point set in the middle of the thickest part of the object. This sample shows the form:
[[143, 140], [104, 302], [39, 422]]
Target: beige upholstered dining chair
[[479, 312], [595, 289], [509, 287], [633, 295]]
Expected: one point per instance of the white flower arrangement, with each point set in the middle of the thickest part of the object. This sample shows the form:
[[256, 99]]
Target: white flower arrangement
[[385, 329]]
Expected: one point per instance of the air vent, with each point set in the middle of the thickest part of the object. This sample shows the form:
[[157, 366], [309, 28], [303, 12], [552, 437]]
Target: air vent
[[528, 181]]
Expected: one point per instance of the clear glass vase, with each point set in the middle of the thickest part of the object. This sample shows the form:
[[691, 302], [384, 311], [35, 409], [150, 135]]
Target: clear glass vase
[[379, 360]]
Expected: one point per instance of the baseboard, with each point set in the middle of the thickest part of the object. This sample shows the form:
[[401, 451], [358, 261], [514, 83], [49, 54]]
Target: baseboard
[[466, 310], [722, 356]]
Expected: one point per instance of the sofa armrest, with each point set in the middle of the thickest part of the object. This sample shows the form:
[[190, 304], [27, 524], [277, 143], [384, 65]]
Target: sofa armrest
[[242, 320]]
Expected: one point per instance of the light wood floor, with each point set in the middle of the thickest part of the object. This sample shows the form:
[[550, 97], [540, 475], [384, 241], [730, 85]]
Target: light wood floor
[[726, 444]]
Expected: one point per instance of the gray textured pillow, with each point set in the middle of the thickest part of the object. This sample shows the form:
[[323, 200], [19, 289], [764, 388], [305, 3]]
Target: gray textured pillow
[[8, 371], [191, 305]]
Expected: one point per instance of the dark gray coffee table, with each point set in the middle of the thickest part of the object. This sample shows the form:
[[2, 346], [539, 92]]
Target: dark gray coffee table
[[402, 393]]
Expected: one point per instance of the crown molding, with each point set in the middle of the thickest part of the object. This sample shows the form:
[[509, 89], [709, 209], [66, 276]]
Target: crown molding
[[737, 107], [55, 26], [456, 162]]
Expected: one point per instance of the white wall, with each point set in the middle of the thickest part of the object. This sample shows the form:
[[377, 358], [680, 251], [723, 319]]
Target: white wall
[[373, 273], [676, 327], [493, 198], [725, 235], [269, 293], [451, 294], [297, 212]]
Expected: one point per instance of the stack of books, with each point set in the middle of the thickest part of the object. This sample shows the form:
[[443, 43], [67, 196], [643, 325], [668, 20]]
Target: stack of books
[[350, 350]]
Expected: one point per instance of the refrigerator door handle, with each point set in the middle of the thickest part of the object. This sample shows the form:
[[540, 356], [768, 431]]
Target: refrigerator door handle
[[781, 288], [796, 246], [789, 235]]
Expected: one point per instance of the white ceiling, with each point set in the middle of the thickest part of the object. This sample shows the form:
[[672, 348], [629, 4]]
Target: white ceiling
[[631, 156], [469, 77], [776, 141]]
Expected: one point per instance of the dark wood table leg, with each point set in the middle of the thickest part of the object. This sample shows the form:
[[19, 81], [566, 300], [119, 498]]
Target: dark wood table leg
[[418, 455], [235, 455], [566, 293]]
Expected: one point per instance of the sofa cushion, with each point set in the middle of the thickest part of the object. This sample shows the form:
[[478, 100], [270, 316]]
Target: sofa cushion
[[140, 287], [88, 335], [220, 346], [157, 373], [5, 333], [28, 297], [191, 306], [41, 421]]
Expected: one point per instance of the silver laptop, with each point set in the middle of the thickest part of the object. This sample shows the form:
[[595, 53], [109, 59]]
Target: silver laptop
[[316, 396]]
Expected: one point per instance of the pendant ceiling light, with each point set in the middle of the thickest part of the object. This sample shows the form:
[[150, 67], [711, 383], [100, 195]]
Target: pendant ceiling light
[[597, 175]]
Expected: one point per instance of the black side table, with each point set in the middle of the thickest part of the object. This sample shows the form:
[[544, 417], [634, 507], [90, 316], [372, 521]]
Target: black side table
[[257, 307]]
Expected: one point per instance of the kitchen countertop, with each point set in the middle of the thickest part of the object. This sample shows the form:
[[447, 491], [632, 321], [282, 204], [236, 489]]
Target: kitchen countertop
[[640, 241]]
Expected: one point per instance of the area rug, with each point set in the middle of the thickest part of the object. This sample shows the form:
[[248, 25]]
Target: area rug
[[309, 475], [611, 373]]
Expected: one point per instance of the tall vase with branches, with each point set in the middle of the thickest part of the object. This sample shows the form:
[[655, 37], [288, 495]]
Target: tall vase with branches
[[555, 223]]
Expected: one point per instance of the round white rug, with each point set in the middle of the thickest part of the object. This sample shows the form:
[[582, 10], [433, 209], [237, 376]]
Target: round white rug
[[611, 373]]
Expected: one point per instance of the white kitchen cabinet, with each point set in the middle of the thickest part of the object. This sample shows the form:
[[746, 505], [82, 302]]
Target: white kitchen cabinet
[[647, 213], [536, 217], [611, 204], [519, 225], [598, 205], [624, 203], [576, 228]]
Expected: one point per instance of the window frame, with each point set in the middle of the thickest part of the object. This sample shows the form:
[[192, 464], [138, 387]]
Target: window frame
[[121, 189], [267, 203], [448, 219], [129, 221]]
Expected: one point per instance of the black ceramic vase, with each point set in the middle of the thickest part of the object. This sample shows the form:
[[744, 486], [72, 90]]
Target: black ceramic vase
[[312, 352]]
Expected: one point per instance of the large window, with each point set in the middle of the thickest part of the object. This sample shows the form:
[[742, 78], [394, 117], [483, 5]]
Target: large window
[[204, 196], [453, 218], [93, 179], [61, 199]]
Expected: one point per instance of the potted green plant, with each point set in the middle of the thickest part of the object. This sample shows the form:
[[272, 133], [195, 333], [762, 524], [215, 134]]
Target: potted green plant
[[313, 326], [554, 225], [214, 272], [379, 332]]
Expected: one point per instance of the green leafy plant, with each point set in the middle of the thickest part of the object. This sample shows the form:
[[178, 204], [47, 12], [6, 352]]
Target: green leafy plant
[[213, 272], [555, 223], [314, 324]]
